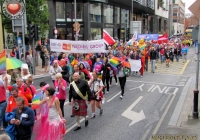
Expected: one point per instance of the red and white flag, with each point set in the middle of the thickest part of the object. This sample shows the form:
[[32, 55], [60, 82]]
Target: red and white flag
[[107, 38]]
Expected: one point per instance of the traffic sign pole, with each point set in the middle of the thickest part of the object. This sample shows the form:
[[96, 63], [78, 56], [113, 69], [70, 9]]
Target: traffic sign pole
[[76, 37]]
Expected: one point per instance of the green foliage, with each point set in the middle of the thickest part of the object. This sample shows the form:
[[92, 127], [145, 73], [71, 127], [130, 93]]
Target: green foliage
[[36, 12]]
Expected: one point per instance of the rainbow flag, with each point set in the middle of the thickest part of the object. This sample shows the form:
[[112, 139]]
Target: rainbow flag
[[36, 99], [3, 61], [142, 47]]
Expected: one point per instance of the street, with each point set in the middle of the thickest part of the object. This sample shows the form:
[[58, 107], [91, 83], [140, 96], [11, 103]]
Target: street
[[145, 110]]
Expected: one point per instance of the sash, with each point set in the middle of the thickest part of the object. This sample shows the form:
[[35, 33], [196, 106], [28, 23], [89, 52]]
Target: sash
[[77, 90]]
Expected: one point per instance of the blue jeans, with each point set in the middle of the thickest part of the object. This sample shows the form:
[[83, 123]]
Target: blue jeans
[[162, 58], [2, 112], [153, 63], [177, 57]]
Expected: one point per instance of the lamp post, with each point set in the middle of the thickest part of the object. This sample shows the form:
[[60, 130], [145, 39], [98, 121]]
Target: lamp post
[[76, 35]]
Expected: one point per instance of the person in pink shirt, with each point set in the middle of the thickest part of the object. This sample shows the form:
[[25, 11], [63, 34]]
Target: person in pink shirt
[[61, 86]]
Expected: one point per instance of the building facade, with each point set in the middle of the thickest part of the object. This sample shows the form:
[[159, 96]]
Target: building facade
[[178, 8], [161, 16], [95, 15]]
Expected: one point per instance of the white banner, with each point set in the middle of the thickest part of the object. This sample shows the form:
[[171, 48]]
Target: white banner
[[93, 46], [135, 64]]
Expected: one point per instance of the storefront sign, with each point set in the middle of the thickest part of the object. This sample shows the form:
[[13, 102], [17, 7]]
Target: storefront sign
[[93, 46], [135, 64], [104, 1], [13, 9], [148, 36]]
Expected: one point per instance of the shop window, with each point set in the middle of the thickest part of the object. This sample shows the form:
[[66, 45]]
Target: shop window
[[95, 12], [96, 34], [61, 33], [108, 13], [60, 11], [69, 34], [125, 17]]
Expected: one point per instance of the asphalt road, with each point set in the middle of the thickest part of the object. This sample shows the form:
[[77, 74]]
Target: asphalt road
[[146, 108]]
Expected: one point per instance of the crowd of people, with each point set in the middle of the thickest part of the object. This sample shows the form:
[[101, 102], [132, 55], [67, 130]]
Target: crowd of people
[[88, 76]]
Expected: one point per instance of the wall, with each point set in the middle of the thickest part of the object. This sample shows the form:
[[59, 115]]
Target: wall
[[162, 11], [179, 27]]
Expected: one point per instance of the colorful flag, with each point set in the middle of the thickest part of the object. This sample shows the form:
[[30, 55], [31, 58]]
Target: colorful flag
[[3, 61], [107, 38]]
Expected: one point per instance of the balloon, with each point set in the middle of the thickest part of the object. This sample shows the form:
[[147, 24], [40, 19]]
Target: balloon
[[97, 68]]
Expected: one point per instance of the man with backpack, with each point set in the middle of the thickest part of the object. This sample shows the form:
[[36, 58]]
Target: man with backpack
[[24, 89]]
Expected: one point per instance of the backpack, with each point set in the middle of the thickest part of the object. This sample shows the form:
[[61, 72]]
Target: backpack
[[27, 86], [126, 71]]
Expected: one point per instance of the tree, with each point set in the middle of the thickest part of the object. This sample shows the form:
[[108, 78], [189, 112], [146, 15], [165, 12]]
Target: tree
[[36, 12]]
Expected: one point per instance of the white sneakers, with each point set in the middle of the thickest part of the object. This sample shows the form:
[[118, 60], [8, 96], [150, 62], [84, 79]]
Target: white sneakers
[[121, 96]]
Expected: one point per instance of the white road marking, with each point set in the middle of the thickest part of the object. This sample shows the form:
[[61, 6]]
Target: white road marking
[[146, 133], [132, 115], [113, 97], [153, 83], [163, 106], [66, 103], [73, 126], [164, 114], [140, 87]]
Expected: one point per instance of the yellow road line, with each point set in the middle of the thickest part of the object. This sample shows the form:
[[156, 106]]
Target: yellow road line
[[184, 67]]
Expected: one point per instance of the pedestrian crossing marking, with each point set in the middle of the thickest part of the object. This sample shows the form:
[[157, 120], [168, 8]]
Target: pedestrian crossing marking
[[176, 68]]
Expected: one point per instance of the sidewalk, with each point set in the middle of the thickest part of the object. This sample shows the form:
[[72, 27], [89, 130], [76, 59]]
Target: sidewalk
[[181, 122]]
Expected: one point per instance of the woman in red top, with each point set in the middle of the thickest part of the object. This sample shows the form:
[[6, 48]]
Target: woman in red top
[[85, 71], [12, 53]]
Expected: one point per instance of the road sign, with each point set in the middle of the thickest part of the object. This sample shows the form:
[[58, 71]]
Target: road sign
[[132, 115], [76, 26], [135, 26]]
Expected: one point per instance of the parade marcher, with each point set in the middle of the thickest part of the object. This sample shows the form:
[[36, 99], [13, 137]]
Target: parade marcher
[[177, 51], [162, 53], [4, 76], [142, 64], [24, 120], [76, 70], [52, 128], [146, 58], [12, 99], [106, 67], [42, 56], [53, 57], [65, 70], [85, 71], [54, 69], [167, 56], [153, 56], [61, 85], [77, 91], [184, 53], [3, 102], [25, 72], [96, 86], [24, 89], [13, 75], [122, 78]]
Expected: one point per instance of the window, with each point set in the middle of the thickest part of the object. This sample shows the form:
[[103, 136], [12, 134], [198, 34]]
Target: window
[[69, 13], [95, 34], [175, 7], [95, 12], [79, 12], [125, 17], [175, 14], [60, 11], [108, 13], [69, 34], [174, 20], [174, 1], [117, 15]]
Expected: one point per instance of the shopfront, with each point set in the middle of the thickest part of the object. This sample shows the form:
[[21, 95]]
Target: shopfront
[[93, 15]]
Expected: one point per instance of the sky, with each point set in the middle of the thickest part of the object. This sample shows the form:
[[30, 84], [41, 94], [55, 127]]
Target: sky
[[187, 4]]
